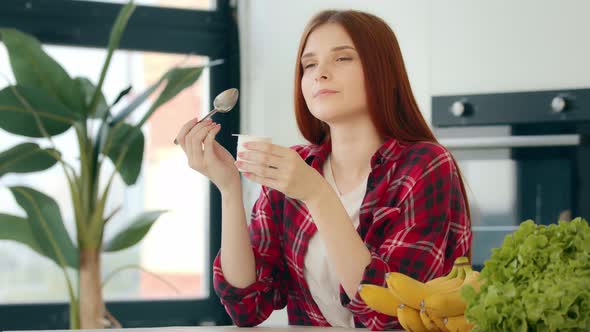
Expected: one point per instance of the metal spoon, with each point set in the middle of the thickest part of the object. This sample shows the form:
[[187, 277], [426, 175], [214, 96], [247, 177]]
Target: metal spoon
[[224, 102]]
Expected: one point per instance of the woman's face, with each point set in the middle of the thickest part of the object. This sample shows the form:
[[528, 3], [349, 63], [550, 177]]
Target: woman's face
[[333, 82]]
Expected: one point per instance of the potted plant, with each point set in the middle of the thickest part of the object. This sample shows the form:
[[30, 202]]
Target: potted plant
[[44, 102]]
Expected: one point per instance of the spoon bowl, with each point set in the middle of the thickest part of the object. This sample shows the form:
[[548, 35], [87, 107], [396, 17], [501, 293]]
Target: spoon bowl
[[223, 103], [226, 100]]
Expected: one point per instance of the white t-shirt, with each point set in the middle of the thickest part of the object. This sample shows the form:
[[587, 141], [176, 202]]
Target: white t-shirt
[[318, 272]]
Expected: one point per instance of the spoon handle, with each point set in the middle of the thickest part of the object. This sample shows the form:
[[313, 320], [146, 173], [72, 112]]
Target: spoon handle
[[210, 114]]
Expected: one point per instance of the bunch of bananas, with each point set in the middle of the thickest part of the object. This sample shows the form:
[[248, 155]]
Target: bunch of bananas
[[436, 305]]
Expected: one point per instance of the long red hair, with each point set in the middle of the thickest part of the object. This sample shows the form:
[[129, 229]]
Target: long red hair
[[391, 103]]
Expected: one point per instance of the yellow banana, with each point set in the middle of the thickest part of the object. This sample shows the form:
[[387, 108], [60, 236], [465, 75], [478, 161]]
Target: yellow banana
[[410, 320], [450, 284], [411, 291], [458, 324], [462, 272], [438, 280], [407, 289], [379, 299], [450, 303], [428, 323], [438, 321], [461, 261], [457, 265]]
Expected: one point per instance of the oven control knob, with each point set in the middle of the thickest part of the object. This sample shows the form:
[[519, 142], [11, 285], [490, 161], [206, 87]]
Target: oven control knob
[[458, 108], [559, 104]]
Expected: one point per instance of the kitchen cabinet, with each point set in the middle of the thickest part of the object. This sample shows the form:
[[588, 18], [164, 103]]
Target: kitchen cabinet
[[500, 46]]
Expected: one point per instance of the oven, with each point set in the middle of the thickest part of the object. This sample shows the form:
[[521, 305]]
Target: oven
[[523, 155]]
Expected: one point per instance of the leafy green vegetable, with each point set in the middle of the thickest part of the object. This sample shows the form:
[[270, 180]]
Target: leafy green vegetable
[[538, 280]]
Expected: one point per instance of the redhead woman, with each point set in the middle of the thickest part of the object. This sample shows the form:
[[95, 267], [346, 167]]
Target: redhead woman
[[373, 192]]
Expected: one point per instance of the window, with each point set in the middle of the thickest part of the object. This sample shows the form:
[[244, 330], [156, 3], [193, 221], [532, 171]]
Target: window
[[172, 285], [173, 255], [185, 4]]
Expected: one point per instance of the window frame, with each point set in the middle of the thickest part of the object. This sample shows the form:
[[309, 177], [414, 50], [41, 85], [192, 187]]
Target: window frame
[[211, 33]]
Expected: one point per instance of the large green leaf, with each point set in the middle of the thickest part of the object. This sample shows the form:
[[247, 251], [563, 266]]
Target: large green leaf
[[133, 233], [33, 67], [124, 113], [17, 118], [17, 229], [47, 226], [128, 140], [114, 39], [87, 90], [177, 79], [27, 158]]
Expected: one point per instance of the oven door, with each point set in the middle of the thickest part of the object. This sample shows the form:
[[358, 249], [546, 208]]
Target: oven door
[[510, 179]]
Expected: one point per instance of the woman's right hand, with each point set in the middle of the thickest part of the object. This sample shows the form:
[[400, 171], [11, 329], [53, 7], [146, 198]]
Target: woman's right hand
[[206, 156]]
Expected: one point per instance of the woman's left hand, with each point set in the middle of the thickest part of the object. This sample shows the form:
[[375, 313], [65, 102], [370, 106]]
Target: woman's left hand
[[280, 168]]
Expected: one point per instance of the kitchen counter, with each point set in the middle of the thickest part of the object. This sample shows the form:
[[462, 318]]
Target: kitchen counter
[[227, 329]]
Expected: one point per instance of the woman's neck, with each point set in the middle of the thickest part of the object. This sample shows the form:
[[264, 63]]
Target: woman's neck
[[352, 148]]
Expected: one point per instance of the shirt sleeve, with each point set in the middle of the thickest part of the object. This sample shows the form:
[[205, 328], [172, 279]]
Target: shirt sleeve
[[253, 304], [420, 234]]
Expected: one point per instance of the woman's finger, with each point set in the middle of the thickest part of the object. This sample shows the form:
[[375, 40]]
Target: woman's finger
[[198, 133], [277, 150], [187, 146], [260, 170], [188, 127], [196, 137], [267, 182], [210, 139], [261, 158]]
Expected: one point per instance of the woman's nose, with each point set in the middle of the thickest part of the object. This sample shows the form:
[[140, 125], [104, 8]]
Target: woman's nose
[[321, 73]]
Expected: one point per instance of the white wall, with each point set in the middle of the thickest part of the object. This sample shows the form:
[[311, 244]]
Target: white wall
[[456, 46], [493, 46]]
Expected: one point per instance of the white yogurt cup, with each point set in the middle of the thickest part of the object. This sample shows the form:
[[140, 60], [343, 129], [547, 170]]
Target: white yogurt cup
[[249, 138]]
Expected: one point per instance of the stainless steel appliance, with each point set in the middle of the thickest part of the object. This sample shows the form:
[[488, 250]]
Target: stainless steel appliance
[[523, 155]]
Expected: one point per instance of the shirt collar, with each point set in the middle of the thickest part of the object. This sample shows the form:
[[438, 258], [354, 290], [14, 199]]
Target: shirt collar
[[388, 152]]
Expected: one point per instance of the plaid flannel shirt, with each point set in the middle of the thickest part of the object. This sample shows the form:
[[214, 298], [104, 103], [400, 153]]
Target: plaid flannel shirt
[[413, 220]]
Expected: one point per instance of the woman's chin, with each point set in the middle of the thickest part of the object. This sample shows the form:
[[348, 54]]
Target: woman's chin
[[335, 115], [324, 117], [326, 112]]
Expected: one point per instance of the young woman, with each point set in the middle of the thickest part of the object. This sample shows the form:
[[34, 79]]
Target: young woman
[[372, 193]]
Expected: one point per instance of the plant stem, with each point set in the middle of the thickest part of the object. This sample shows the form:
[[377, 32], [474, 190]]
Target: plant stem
[[83, 196], [91, 300], [74, 305], [115, 211], [96, 220], [114, 39]]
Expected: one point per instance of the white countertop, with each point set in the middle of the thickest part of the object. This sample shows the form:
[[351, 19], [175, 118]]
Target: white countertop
[[227, 329]]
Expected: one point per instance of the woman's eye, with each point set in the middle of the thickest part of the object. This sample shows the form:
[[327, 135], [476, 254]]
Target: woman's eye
[[311, 65]]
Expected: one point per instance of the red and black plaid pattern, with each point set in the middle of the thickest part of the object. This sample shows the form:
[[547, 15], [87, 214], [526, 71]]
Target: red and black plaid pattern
[[413, 220]]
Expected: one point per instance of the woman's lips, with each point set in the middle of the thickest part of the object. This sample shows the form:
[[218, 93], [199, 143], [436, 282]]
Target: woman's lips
[[324, 92]]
